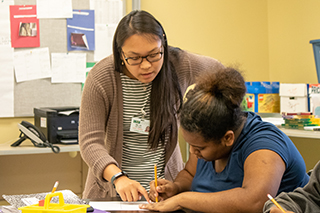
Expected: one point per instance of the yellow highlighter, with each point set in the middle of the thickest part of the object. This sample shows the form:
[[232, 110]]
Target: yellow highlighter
[[155, 179], [276, 203]]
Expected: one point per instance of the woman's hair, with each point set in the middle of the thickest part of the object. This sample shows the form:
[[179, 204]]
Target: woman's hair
[[166, 96], [214, 105]]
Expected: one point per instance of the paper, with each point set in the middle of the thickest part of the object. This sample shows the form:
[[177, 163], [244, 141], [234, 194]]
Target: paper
[[80, 30], [54, 9], [68, 67], [117, 205], [6, 63], [32, 64], [107, 11], [104, 37], [24, 26]]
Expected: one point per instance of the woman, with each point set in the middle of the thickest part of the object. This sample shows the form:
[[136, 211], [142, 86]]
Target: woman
[[236, 159], [138, 88]]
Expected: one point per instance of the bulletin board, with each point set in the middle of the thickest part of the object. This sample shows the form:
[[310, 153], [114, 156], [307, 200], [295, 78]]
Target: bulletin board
[[41, 92]]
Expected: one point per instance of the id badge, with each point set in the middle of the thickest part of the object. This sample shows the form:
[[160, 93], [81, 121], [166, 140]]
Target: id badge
[[140, 125]]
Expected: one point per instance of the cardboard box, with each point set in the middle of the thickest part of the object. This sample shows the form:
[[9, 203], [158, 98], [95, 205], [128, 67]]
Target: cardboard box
[[294, 98]]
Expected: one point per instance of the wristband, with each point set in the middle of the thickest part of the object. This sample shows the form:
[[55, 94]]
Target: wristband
[[114, 177]]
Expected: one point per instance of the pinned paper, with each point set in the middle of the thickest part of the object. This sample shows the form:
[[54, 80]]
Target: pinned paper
[[68, 67], [103, 36], [54, 8], [32, 64], [80, 30], [24, 26]]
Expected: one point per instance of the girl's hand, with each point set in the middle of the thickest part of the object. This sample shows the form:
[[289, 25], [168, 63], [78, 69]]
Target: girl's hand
[[130, 190], [164, 190], [169, 205]]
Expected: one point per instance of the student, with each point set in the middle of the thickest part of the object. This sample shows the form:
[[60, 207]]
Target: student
[[306, 199], [236, 159], [137, 88]]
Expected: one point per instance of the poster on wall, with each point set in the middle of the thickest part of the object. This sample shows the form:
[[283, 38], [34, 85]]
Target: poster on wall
[[24, 26], [80, 30]]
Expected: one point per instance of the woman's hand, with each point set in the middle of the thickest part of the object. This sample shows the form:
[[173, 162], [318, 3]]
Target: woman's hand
[[164, 190], [169, 205], [130, 190]]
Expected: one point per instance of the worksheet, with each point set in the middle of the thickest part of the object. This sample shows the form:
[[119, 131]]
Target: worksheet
[[117, 205]]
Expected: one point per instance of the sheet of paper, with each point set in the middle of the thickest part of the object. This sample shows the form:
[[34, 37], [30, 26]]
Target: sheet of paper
[[104, 37], [54, 9], [107, 11], [68, 67], [5, 21], [80, 30], [6, 81], [32, 64], [117, 205], [24, 26], [6, 62]]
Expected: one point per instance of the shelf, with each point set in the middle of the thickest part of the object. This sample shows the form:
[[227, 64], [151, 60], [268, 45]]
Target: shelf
[[277, 120], [27, 148], [301, 133]]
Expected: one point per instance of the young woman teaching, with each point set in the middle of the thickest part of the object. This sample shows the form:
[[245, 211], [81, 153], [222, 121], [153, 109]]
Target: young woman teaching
[[235, 159], [128, 113]]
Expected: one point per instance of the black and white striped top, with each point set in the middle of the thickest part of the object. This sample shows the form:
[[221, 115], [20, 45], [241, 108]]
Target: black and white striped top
[[137, 160]]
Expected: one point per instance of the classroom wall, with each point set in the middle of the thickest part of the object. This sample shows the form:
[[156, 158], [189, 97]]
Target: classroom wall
[[232, 31], [268, 39], [291, 25]]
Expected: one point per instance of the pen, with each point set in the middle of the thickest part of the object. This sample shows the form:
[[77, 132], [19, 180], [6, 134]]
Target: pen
[[276, 203], [155, 179]]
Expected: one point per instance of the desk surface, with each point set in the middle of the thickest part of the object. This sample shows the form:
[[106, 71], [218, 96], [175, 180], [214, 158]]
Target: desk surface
[[136, 211], [27, 147]]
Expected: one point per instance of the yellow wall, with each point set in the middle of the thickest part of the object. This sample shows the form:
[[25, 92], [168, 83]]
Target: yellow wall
[[292, 24], [231, 31], [9, 128], [269, 39]]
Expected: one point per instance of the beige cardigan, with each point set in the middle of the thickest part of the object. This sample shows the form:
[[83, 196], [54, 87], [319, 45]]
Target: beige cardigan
[[100, 123]]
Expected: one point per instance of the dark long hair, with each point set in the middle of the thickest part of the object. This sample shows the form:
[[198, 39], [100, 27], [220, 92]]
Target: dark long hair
[[166, 96], [214, 105]]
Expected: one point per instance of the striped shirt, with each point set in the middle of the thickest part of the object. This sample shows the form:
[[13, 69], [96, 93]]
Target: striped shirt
[[137, 159]]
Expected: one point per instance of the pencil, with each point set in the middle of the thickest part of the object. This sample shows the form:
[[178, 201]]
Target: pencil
[[55, 186], [155, 179], [276, 203]]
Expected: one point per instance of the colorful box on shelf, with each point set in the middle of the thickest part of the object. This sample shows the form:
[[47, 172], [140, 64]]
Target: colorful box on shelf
[[262, 97], [60, 207], [294, 98]]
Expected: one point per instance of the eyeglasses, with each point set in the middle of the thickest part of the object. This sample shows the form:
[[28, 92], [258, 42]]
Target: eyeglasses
[[153, 57]]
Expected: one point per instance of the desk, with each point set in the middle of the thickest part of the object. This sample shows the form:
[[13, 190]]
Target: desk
[[27, 169]]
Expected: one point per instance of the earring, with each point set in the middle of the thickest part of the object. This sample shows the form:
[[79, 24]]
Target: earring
[[122, 63]]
